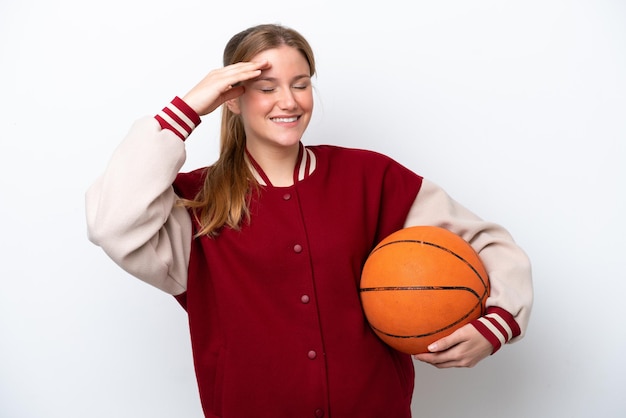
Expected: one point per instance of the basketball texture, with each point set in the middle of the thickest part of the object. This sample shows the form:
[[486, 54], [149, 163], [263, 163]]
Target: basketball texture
[[419, 285]]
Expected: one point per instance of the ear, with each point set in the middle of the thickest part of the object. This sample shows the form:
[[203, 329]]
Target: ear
[[233, 106]]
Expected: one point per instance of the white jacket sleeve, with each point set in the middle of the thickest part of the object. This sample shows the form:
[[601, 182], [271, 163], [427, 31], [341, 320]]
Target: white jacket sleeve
[[131, 211], [506, 263]]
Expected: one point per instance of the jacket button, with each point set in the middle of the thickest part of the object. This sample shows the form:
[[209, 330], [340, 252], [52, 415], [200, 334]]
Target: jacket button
[[312, 354], [319, 413], [287, 196], [305, 299], [297, 248]]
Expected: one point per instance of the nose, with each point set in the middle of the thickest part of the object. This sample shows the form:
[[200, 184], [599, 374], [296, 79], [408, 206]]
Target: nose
[[287, 100]]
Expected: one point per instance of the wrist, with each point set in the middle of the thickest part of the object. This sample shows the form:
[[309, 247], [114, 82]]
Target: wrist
[[498, 326], [178, 117]]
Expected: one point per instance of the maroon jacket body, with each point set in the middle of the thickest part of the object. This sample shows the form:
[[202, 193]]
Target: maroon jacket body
[[276, 323]]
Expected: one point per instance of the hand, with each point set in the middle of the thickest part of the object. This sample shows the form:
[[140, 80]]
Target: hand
[[221, 85], [465, 347]]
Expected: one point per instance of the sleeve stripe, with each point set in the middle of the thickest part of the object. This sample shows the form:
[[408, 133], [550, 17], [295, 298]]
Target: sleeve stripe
[[502, 326], [169, 111], [494, 329], [181, 115], [498, 326], [179, 118], [505, 318], [484, 329], [173, 125]]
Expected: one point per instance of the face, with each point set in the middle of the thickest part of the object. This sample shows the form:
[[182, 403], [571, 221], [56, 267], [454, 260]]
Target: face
[[276, 107]]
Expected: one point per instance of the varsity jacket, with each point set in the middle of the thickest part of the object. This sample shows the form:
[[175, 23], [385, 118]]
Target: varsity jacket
[[275, 319]]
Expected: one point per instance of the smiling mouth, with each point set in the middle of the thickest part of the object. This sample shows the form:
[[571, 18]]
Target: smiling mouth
[[285, 120]]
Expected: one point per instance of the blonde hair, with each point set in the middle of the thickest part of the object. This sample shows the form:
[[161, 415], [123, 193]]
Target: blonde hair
[[225, 196]]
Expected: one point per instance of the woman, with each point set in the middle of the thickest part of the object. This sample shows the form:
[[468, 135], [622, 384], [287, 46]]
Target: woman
[[264, 249]]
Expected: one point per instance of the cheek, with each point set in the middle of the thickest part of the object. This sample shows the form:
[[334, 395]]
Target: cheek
[[255, 103], [306, 101]]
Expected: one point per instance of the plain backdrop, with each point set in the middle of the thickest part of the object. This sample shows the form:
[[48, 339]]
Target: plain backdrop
[[516, 108]]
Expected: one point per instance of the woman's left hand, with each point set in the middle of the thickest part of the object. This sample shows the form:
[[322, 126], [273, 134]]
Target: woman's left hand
[[465, 347]]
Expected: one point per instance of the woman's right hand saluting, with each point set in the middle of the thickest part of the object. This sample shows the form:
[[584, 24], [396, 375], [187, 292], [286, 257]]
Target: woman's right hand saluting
[[221, 85]]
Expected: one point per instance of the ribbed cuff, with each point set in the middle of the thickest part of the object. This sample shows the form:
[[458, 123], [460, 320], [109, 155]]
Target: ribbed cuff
[[497, 326], [178, 117]]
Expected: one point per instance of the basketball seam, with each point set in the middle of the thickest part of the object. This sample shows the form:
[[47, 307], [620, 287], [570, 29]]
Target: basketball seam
[[480, 294], [392, 288], [433, 332], [432, 244]]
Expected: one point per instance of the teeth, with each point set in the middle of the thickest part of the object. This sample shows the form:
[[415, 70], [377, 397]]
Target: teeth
[[292, 119]]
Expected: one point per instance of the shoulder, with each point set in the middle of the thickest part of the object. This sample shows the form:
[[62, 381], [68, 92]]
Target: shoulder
[[353, 155], [187, 185], [357, 159]]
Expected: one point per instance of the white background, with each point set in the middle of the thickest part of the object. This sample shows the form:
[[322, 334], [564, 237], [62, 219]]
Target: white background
[[517, 108]]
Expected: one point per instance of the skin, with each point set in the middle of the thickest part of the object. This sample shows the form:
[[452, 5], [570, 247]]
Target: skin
[[463, 348], [276, 109], [273, 95]]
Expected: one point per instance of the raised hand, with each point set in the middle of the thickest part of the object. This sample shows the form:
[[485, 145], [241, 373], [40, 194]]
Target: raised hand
[[222, 84]]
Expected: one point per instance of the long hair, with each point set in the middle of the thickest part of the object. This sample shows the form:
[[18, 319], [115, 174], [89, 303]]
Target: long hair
[[225, 196]]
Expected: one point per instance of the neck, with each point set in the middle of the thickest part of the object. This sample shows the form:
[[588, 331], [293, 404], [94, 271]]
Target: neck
[[278, 164]]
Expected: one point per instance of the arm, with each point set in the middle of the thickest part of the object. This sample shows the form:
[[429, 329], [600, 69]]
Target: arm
[[510, 300], [131, 211]]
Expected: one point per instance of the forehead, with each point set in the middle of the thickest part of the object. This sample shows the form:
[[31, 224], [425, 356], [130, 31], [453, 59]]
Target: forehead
[[284, 60]]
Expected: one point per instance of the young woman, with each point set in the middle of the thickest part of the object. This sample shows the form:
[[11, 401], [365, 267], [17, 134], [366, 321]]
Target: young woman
[[264, 248]]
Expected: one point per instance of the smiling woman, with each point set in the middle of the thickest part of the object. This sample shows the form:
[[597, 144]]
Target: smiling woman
[[276, 110], [264, 249]]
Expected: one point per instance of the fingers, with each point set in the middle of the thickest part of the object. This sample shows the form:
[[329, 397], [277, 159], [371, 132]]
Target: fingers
[[463, 348], [448, 342], [440, 359], [232, 93], [234, 74], [433, 361], [445, 360], [221, 85]]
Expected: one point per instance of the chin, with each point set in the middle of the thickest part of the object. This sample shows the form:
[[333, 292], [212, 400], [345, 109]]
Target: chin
[[288, 142]]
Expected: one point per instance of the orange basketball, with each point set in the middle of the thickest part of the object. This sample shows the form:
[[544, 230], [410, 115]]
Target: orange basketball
[[419, 285]]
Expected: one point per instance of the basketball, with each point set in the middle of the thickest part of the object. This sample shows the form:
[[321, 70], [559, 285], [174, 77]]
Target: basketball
[[420, 284]]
